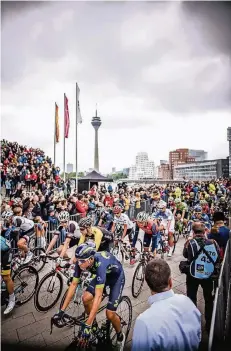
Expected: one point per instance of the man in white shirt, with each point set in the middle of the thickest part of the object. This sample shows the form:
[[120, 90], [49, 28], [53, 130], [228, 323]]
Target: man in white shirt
[[172, 322]]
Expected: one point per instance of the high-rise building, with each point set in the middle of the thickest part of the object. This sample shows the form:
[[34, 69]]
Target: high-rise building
[[96, 123], [163, 162], [199, 155], [143, 169], [69, 167], [229, 140], [164, 171]]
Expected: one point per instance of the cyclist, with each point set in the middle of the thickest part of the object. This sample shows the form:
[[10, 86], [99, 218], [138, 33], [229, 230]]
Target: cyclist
[[25, 228], [107, 271], [122, 220], [155, 200], [181, 212], [106, 219], [147, 224], [6, 258], [167, 223], [101, 236], [68, 232], [198, 216]]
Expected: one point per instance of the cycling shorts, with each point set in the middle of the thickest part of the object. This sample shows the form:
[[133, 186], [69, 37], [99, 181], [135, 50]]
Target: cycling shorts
[[6, 258], [116, 286], [148, 238]]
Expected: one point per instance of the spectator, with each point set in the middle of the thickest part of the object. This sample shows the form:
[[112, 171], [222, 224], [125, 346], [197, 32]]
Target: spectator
[[172, 322], [8, 187], [81, 206], [219, 232], [202, 255]]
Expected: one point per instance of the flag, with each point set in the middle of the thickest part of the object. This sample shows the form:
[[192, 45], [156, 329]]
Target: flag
[[66, 117], [78, 113], [56, 123]]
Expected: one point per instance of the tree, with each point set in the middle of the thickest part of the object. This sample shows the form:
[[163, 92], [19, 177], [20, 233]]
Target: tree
[[116, 176]]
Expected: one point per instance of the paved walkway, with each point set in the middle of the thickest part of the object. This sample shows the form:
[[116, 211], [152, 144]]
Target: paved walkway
[[29, 327]]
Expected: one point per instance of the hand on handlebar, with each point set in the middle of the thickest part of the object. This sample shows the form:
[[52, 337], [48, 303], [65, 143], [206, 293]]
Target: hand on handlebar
[[84, 334]]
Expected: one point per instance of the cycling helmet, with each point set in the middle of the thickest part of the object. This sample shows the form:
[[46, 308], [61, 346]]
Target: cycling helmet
[[63, 216], [203, 202], [170, 199], [191, 194], [178, 200], [142, 217], [162, 204], [117, 209], [85, 222], [7, 214], [84, 251], [219, 193], [17, 201], [84, 192], [198, 209], [222, 199]]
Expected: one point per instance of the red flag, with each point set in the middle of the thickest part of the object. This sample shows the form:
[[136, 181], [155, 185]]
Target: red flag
[[66, 117]]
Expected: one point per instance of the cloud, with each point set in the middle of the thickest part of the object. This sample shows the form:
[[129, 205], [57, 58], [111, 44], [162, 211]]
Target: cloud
[[149, 66]]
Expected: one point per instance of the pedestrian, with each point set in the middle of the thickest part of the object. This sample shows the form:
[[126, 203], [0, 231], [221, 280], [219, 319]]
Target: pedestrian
[[202, 259], [8, 186], [172, 322]]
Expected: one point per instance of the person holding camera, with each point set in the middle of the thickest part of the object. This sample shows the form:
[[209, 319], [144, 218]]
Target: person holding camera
[[201, 267]]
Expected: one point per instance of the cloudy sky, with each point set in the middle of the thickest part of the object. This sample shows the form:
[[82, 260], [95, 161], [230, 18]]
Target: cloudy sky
[[159, 72]]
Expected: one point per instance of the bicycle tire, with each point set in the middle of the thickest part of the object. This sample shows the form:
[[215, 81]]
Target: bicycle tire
[[174, 243], [37, 304], [177, 234], [35, 273], [128, 325], [37, 252], [142, 266], [70, 310], [141, 245]]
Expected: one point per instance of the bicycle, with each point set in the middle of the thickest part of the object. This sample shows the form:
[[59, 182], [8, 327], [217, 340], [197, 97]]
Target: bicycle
[[163, 245], [122, 250], [56, 275], [23, 278], [139, 274], [178, 229], [103, 337]]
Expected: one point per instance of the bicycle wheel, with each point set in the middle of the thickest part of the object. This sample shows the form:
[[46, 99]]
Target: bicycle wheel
[[118, 253], [138, 279], [177, 234], [48, 292], [75, 307], [32, 242], [124, 311], [139, 245], [25, 280], [38, 262]]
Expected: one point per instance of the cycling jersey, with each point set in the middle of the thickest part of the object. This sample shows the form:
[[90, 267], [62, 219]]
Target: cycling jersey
[[5, 244], [123, 220], [71, 232], [96, 235], [150, 228], [26, 225], [181, 207], [107, 271], [204, 218], [166, 217]]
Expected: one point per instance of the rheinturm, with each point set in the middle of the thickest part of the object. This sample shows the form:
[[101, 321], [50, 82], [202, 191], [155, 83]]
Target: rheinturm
[[96, 123]]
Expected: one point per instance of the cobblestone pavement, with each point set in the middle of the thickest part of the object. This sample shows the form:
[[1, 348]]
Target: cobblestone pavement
[[27, 326]]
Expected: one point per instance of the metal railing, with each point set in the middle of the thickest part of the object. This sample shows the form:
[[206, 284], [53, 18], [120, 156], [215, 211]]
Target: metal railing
[[220, 330]]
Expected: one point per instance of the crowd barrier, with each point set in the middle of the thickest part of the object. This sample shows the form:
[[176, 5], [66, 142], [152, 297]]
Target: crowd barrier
[[220, 331]]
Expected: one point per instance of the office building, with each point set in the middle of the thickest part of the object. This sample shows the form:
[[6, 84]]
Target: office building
[[163, 162], [229, 140], [164, 171], [143, 169], [199, 155], [202, 170], [69, 167]]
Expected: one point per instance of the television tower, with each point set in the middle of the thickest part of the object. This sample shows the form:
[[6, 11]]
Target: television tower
[[96, 123]]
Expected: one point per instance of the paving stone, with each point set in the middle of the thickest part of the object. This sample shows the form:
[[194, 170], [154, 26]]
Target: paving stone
[[33, 329], [9, 336], [14, 324], [36, 341], [57, 334], [61, 344]]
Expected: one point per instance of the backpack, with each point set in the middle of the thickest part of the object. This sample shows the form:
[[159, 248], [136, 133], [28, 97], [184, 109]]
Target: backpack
[[203, 264]]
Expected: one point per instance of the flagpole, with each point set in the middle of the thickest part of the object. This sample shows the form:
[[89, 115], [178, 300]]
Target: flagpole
[[76, 140], [64, 158], [55, 136]]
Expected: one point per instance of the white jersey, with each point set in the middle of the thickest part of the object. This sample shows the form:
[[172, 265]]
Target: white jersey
[[123, 220], [76, 234], [166, 217], [23, 223]]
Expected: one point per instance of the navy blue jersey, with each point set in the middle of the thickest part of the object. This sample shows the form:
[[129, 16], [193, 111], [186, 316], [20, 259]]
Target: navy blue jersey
[[105, 267]]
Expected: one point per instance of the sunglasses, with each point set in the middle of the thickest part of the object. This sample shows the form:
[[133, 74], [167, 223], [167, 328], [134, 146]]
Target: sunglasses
[[80, 262], [83, 228]]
